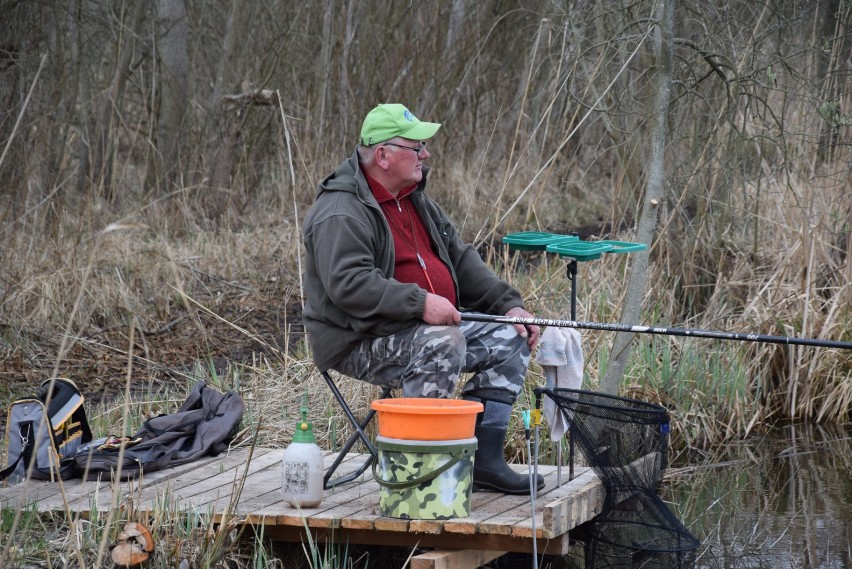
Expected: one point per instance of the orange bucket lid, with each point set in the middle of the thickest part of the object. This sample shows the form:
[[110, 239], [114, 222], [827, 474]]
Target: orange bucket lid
[[426, 419]]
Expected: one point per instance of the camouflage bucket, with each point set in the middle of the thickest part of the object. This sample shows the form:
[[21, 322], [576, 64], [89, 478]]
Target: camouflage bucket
[[424, 480]]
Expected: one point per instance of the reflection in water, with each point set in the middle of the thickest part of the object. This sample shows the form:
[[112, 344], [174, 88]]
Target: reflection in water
[[778, 501]]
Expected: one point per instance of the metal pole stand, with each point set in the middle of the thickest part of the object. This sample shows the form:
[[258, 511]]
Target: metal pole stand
[[568, 247]]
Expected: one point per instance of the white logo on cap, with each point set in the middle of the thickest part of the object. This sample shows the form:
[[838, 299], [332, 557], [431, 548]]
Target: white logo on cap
[[408, 116]]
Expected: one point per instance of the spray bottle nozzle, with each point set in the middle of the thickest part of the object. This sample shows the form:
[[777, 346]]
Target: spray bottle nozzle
[[304, 430], [304, 410], [304, 407]]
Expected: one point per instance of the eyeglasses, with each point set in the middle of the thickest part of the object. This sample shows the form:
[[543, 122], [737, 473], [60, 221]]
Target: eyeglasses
[[419, 149]]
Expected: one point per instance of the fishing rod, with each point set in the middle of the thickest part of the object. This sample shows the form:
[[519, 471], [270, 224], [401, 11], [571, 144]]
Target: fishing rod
[[786, 340]]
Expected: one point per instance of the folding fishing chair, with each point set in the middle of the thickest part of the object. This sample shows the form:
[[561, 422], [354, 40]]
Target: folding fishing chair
[[359, 426]]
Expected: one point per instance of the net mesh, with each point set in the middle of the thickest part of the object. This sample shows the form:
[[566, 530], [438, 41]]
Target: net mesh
[[640, 532], [625, 441]]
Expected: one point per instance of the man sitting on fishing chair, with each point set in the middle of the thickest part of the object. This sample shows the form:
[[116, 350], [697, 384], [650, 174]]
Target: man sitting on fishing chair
[[385, 275]]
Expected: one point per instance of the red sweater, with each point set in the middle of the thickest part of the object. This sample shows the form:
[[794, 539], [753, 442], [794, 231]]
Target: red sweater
[[410, 238]]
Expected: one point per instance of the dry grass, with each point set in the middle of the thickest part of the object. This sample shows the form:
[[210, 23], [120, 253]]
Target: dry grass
[[65, 297], [545, 127]]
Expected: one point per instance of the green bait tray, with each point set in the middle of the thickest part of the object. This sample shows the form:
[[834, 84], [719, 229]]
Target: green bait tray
[[624, 246], [536, 240], [568, 245], [581, 250]]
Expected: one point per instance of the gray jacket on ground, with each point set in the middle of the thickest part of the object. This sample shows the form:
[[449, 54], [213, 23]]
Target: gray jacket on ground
[[349, 268]]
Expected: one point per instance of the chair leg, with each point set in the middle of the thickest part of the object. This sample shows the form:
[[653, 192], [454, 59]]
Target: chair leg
[[328, 482]]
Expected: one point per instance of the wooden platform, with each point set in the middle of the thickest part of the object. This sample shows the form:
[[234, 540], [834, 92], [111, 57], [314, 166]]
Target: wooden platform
[[232, 485]]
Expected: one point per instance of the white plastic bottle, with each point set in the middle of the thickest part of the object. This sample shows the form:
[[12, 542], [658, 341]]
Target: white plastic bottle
[[302, 468]]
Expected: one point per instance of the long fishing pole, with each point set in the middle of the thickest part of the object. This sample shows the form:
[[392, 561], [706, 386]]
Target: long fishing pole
[[786, 340]]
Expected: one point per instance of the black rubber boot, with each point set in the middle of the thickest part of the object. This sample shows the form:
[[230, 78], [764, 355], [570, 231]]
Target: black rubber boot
[[490, 471]]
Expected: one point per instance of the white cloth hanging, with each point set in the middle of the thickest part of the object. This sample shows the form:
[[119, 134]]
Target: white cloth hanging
[[560, 354]]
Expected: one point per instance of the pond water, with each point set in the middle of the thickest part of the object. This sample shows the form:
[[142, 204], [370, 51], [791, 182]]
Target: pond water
[[782, 500]]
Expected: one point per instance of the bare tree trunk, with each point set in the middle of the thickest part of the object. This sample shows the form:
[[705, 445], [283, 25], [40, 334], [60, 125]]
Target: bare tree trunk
[[224, 131], [347, 94], [830, 23], [112, 102], [653, 191], [847, 287], [80, 157], [451, 45], [323, 70], [173, 90]]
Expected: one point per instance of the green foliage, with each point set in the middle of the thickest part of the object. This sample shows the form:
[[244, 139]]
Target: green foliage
[[705, 388]]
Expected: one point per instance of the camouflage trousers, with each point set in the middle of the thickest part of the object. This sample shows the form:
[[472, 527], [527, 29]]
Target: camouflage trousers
[[427, 361]]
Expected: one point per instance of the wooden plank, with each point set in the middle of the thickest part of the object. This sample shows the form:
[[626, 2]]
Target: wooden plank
[[255, 501], [500, 514], [336, 504], [493, 515], [383, 523], [50, 493], [498, 522], [45, 489], [517, 521], [368, 515], [210, 491], [29, 491], [484, 542], [584, 493], [153, 491], [268, 504], [426, 526], [47, 495], [454, 559], [483, 505], [467, 525], [81, 494], [581, 504], [481, 509], [356, 504], [265, 491], [202, 482], [227, 498], [262, 485]]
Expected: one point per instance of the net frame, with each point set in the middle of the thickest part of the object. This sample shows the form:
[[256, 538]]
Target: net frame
[[625, 441]]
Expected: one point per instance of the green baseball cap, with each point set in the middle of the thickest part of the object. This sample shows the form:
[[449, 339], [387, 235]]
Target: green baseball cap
[[389, 120]]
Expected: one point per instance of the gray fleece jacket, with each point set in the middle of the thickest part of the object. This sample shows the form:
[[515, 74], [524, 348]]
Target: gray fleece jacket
[[349, 268]]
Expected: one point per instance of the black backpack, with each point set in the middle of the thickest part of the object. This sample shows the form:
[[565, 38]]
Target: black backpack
[[204, 425], [47, 453]]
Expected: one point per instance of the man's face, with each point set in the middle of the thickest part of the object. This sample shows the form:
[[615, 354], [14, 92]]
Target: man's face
[[405, 160]]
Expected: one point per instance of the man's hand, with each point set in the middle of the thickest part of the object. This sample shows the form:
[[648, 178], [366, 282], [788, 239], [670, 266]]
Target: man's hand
[[439, 311], [530, 331]]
